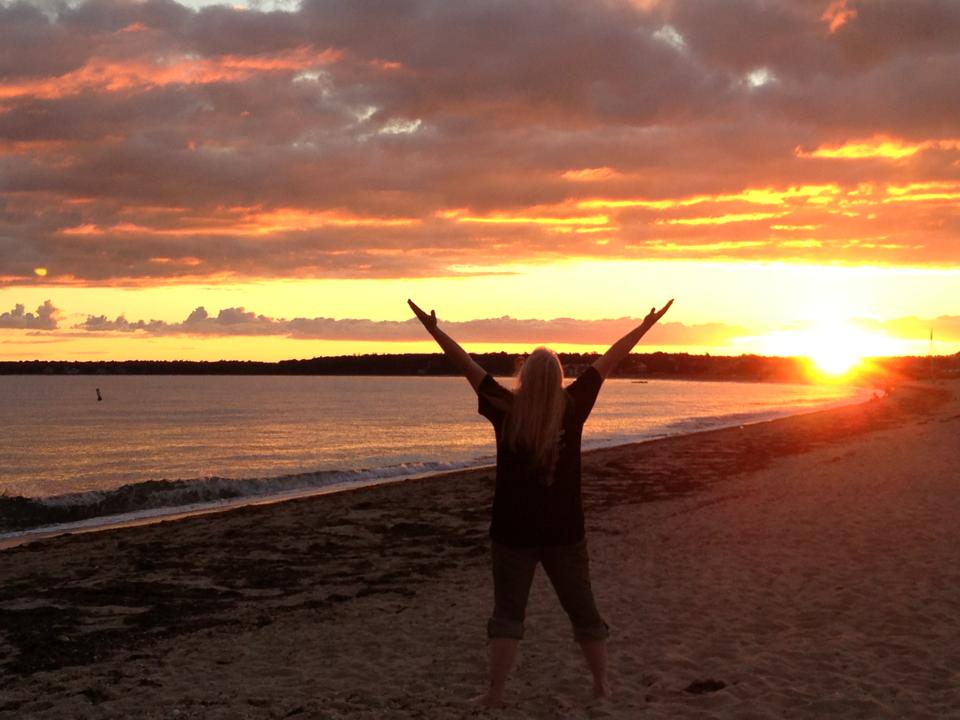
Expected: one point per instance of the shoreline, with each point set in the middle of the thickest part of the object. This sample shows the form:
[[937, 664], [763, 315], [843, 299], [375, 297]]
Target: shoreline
[[727, 555], [170, 513]]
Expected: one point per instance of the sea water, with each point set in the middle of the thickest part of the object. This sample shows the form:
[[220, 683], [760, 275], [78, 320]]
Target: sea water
[[229, 437]]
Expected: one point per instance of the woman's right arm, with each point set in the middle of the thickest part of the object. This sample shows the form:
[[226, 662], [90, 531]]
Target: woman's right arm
[[608, 362], [463, 362]]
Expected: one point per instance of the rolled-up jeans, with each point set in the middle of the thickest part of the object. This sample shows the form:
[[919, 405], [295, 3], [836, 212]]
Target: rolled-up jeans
[[567, 566]]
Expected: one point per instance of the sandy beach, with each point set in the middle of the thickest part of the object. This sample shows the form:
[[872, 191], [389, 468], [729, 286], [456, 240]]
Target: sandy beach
[[807, 567]]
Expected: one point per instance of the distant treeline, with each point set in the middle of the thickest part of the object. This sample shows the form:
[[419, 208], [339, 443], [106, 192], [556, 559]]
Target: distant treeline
[[754, 368]]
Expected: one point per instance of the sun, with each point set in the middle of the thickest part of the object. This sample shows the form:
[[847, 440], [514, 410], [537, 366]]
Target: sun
[[836, 349], [835, 360]]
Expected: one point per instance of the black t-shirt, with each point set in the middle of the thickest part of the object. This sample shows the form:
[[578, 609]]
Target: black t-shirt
[[526, 510]]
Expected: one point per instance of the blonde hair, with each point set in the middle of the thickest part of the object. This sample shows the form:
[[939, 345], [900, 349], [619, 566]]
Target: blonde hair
[[533, 422]]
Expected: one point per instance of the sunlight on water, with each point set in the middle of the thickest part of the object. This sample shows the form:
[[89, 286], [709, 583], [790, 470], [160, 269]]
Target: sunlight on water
[[58, 439]]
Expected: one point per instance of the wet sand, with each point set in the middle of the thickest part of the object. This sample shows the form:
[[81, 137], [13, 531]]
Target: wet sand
[[805, 567]]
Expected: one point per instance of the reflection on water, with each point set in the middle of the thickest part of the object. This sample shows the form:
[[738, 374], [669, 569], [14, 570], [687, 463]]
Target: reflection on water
[[57, 438]]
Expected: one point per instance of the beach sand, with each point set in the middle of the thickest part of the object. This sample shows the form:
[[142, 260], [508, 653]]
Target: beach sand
[[807, 567]]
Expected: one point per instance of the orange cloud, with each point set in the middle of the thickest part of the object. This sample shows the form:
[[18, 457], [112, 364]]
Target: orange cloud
[[629, 133], [590, 174], [720, 219], [923, 192], [104, 75], [248, 222], [754, 196], [877, 147], [704, 247], [388, 65], [524, 219], [838, 14], [32, 147], [189, 261]]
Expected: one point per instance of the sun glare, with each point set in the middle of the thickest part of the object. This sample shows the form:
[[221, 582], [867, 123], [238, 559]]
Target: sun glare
[[836, 361], [835, 349]]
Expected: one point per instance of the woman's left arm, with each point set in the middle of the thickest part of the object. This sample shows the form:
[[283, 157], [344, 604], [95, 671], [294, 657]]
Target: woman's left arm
[[608, 362], [463, 362]]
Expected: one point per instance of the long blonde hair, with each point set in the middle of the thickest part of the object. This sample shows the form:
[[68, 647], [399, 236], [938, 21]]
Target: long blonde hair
[[533, 422]]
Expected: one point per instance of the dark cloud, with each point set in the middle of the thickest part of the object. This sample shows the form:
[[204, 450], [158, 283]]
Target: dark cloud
[[883, 29], [146, 141], [239, 321], [229, 321], [26, 36], [45, 318]]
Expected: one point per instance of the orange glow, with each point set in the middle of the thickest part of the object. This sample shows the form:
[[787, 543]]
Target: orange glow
[[248, 222], [188, 260], [837, 15], [720, 219], [749, 301], [755, 196], [922, 192], [800, 243], [283, 220], [880, 146], [386, 64], [705, 247], [835, 347], [23, 147], [504, 219], [110, 76], [590, 174], [85, 229]]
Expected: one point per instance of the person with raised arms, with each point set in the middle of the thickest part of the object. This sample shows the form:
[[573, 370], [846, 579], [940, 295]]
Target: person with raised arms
[[537, 506]]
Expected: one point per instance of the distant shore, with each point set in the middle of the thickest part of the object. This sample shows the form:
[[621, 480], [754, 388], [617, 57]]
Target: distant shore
[[803, 566], [659, 365]]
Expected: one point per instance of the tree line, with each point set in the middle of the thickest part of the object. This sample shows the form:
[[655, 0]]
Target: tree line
[[751, 368]]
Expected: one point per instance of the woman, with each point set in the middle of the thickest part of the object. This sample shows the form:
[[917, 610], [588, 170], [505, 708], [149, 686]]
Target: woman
[[537, 506]]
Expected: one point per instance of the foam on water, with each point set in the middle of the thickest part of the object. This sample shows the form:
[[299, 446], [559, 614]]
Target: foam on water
[[398, 444]]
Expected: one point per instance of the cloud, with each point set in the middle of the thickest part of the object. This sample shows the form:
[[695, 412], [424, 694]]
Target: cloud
[[151, 142], [44, 319], [238, 321], [229, 321], [945, 328]]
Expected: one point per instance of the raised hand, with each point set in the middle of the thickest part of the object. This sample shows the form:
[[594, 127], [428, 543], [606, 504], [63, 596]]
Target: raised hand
[[429, 321], [466, 364], [608, 362], [655, 314]]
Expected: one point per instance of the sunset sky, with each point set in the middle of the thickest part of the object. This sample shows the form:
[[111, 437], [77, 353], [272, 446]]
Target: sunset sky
[[272, 180]]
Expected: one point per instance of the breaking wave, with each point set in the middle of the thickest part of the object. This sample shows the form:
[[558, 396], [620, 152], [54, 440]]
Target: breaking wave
[[21, 516], [18, 513]]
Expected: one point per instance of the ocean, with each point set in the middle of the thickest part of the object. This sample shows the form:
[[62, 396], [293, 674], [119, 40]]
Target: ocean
[[157, 445]]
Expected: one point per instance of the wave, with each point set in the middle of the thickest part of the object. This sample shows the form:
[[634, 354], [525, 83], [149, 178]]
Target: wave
[[19, 513]]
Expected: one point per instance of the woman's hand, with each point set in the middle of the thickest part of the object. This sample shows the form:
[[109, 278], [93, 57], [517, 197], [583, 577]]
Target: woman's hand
[[607, 363], [463, 362], [429, 321], [651, 319]]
